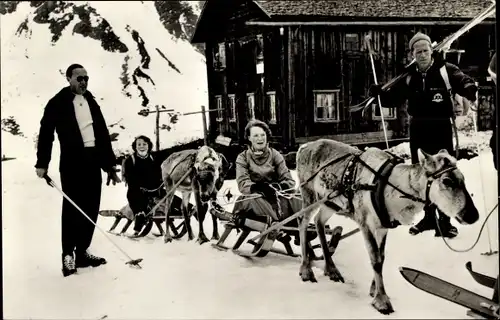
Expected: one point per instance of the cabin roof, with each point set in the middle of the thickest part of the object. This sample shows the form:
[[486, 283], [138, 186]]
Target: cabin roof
[[332, 10], [463, 9]]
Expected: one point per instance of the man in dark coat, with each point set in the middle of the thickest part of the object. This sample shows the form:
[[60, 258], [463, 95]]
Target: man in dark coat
[[431, 111], [85, 149]]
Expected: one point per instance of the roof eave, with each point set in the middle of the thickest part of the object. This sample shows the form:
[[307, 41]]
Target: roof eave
[[195, 33]]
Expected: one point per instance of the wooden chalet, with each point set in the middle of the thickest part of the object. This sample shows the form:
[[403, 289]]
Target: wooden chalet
[[298, 65]]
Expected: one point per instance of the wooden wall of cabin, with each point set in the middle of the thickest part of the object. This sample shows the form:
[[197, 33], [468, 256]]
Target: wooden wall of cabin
[[330, 59], [335, 58], [245, 92]]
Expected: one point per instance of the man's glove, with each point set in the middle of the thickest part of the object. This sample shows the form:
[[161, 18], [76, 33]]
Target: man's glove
[[470, 93], [112, 176], [264, 189]]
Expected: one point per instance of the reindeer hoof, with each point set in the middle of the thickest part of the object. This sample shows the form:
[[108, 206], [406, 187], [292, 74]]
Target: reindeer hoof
[[307, 275], [167, 239], [383, 304], [215, 237], [334, 275], [202, 239]]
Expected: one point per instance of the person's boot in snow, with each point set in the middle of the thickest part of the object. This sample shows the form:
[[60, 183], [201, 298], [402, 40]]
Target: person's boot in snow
[[446, 229], [220, 213], [140, 219], [428, 222], [68, 265], [85, 259]]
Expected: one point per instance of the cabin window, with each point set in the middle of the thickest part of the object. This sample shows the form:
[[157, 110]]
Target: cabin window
[[251, 106], [220, 57], [326, 105], [218, 105], [352, 42], [271, 102], [232, 107], [389, 113]]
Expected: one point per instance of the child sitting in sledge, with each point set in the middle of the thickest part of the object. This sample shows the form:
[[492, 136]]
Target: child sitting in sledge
[[143, 176], [260, 170]]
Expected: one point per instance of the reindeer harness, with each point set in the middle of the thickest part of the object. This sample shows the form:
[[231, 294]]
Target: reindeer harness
[[381, 179]]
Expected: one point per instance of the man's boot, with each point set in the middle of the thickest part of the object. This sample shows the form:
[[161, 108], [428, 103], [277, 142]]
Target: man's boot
[[428, 222], [445, 229], [68, 265], [85, 259]]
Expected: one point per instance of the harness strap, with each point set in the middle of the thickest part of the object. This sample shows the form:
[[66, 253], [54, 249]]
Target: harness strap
[[377, 197], [326, 164]]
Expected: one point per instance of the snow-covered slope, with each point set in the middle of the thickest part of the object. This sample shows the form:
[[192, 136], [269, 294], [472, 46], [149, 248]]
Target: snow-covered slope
[[133, 61]]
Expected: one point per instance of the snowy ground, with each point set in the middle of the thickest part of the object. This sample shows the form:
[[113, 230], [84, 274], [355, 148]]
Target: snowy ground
[[185, 280]]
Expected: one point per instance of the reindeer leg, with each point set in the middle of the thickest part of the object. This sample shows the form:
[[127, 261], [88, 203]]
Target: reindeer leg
[[201, 210], [330, 269], [160, 228], [305, 270], [375, 241], [168, 202], [381, 240], [185, 213], [215, 232]]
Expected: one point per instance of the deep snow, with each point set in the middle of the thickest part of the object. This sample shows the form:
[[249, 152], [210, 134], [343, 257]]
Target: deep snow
[[185, 280]]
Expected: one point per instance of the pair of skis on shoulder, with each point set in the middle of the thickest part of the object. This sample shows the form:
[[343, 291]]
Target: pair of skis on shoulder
[[478, 305]]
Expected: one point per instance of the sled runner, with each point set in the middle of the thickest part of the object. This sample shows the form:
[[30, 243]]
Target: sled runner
[[178, 229], [158, 217], [253, 223]]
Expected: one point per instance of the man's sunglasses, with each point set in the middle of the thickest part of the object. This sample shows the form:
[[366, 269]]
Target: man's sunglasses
[[81, 78]]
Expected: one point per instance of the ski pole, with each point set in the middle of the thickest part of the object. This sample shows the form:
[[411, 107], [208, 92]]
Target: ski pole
[[132, 262], [368, 41]]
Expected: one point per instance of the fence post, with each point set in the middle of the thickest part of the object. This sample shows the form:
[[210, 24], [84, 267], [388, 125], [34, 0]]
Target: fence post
[[205, 129], [157, 128]]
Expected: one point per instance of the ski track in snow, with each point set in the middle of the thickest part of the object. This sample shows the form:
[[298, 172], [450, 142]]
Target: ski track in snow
[[184, 280]]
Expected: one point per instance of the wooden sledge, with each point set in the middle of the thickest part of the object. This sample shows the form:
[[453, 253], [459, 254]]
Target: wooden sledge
[[265, 244], [179, 229]]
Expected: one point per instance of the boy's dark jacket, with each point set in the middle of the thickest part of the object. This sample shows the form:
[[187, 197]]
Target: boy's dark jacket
[[59, 115]]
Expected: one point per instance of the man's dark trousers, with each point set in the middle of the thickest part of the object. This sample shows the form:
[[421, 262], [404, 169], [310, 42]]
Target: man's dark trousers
[[431, 135], [82, 184]]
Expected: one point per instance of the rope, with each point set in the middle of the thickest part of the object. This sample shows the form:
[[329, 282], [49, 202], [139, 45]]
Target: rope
[[478, 236], [152, 190]]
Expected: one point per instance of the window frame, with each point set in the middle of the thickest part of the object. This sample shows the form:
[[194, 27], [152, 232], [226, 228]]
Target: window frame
[[336, 94], [272, 95]]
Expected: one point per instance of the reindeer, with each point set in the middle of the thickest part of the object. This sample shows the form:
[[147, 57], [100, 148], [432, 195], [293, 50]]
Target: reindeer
[[204, 180], [378, 193]]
